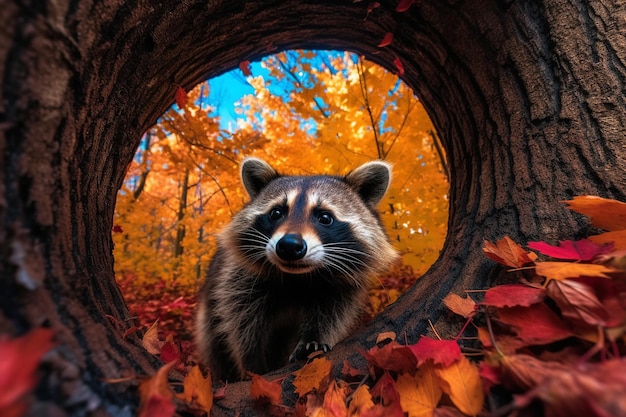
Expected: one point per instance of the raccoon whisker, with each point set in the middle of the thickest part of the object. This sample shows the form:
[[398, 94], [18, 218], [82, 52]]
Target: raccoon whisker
[[339, 264], [347, 257]]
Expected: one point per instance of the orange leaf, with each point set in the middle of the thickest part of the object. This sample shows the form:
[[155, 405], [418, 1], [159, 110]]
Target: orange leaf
[[387, 39], [198, 389], [244, 66], [181, 97], [311, 375], [506, 252], [361, 401], [150, 340], [618, 239], [335, 401], [604, 213], [461, 381], [19, 359], [419, 395], [265, 391], [155, 394], [564, 270], [465, 307]]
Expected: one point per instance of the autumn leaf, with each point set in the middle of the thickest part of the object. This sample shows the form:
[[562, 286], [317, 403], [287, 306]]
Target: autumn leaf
[[461, 381], [150, 340], [404, 5], [506, 252], [370, 8], [361, 401], [387, 39], [170, 350], [580, 250], [311, 375], [262, 390], [335, 401], [399, 67], [244, 66], [156, 397], [490, 375], [536, 324], [577, 301], [198, 389], [117, 229], [604, 213], [391, 357], [181, 97], [389, 406], [463, 306], [419, 394], [442, 352], [617, 238], [19, 359], [564, 270], [513, 295]]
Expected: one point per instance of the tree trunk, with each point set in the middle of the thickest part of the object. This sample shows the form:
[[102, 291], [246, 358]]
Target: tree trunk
[[528, 98]]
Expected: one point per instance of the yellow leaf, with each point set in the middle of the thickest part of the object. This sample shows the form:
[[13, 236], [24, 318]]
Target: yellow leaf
[[150, 340], [335, 401], [564, 270], [198, 388], [419, 395], [604, 213], [361, 401], [311, 375], [461, 381]]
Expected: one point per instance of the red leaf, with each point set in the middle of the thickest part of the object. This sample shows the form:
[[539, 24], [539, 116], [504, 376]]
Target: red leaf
[[442, 352], [536, 324], [404, 5], [391, 357], [370, 8], [399, 66], [156, 395], [389, 406], [513, 295], [244, 66], [386, 40], [577, 301], [170, 351], [117, 229], [19, 359], [580, 250], [181, 97], [491, 375]]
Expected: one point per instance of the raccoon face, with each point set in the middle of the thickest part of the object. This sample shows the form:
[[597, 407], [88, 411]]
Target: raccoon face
[[299, 224]]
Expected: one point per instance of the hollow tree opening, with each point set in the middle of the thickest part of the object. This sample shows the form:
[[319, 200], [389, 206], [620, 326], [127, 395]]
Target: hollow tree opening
[[527, 98]]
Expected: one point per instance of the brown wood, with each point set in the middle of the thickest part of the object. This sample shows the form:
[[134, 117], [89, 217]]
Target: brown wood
[[527, 97]]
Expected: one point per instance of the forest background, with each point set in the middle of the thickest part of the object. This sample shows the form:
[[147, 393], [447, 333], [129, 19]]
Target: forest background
[[310, 112]]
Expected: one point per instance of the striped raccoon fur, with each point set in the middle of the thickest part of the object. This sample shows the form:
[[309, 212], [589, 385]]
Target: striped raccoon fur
[[292, 269]]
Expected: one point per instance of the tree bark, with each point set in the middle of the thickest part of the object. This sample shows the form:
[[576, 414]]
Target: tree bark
[[527, 97]]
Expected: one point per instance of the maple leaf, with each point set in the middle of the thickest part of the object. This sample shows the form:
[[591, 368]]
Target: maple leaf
[[244, 66], [335, 401], [580, 250], [390, 406], [198, 389], [404, 5], [312, 375], [361, 401], [181, 97], [155, 394], [399, 67], [387, 39], [461, 381], [490, 375], [464, 307], [604, 213], [263, 390], [419, 394], [170, 350], [506, 252], [565, 270], [391, 357], [617, 238], [19, 359], [150, 340], [443, 352], [577, 301], [513, 295], [536, 324]]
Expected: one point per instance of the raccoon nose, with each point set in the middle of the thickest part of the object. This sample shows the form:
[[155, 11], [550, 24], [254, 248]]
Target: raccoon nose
[[291, 247]]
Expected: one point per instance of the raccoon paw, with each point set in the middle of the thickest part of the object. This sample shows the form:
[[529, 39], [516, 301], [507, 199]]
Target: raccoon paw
[[303, 350]]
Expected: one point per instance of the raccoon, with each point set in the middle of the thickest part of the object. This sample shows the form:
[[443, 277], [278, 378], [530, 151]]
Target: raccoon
[[291, 271]]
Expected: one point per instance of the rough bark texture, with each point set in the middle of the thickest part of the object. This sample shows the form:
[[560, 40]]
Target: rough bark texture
[[528, 98]]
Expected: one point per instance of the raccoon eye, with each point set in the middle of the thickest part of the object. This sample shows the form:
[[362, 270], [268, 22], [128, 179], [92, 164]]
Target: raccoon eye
[[276, 214], [325, 219]]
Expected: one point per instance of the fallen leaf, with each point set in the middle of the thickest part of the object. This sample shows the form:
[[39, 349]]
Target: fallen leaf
[[311, 375], [536, 324], [244, 66], [19, 359], [389, 406], [156, 396], [170, 350], [391, 357], [506, 252], [491, 375], [419, 394], [461, 381], [404, 5], [197, 389], [565, 270], [262, 390], [399, 67], [181, 97], [580, 250], [361, 401], [617, 238], [442, 352], [577, 301], [604, 213], [465, 307], [150, 340], [387, 39], [335, 401], [513, 295]]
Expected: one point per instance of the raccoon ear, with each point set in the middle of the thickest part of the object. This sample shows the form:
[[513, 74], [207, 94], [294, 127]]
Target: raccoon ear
[[370, 181], [256, 174]]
